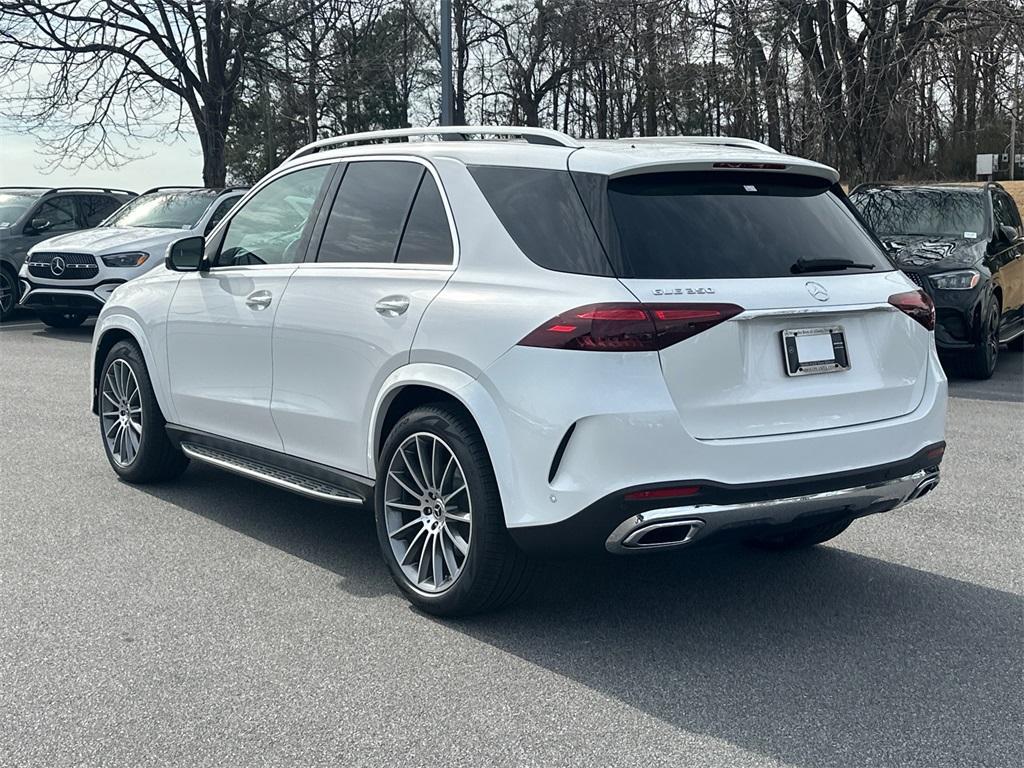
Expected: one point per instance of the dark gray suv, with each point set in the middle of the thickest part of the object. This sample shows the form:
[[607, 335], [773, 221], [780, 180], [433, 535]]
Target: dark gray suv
[[31, 214]]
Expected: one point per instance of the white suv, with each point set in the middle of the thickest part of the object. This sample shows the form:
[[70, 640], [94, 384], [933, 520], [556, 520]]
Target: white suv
[[68, 278], [535, 346]]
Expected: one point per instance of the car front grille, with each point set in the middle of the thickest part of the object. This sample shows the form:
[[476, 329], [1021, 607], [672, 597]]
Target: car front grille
[[63, 266], [918, 280]]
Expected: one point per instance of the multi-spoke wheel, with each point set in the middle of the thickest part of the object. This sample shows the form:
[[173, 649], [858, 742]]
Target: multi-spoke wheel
[[428, 512], [121, 412], [8, 293], [131, 424], [439, 517]]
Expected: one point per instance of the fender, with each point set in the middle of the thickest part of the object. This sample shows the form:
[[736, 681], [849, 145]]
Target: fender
[[468, 391], [157, 373]]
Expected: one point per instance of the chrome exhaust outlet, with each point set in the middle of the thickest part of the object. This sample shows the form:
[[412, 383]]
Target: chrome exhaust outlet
[[662, 535], [923, 489]]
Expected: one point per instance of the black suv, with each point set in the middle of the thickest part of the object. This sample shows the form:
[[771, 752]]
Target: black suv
[[962, 245], [31, 214]]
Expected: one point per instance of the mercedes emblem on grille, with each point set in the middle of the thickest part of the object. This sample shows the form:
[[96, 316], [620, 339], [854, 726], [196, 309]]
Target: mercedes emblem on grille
[[817, 291], [57, 266]]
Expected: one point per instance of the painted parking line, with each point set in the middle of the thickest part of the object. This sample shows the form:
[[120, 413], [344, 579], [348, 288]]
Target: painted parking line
[[21, 324]]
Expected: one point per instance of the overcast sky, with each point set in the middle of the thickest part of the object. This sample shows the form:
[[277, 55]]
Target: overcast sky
[[160, 165]]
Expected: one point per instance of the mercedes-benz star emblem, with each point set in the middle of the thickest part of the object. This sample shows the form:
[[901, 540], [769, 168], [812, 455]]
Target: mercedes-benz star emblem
[[817, 291], [57, 266]]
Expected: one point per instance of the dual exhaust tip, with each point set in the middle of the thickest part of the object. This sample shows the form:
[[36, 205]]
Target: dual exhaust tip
[[923, 489]]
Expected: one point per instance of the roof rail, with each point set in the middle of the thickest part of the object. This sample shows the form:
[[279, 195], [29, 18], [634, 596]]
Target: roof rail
[[722, 141], [450, 132], [51, 190], [172, 186]]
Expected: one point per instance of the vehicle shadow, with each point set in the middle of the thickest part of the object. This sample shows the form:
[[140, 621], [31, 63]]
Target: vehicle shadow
[[814, 658], [82, 334]]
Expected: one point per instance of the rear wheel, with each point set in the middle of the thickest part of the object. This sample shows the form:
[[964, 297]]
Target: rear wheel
[[799, 538], [131, 424], [8, 293], [980, 362], [439, 518], [63, 319]]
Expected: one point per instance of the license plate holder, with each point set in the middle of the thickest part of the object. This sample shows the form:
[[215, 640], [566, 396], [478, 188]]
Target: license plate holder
[[815, 350]]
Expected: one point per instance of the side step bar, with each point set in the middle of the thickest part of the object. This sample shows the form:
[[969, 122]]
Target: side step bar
[[257, 470]]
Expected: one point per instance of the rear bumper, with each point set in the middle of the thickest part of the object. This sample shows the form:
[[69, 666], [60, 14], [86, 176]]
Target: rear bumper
[[720, 511]]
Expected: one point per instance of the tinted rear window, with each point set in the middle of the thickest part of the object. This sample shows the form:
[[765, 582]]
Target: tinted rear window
[[731, 225], [542, 211]]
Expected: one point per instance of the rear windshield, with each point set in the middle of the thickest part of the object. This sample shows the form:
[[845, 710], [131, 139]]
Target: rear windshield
[[690, 225], [734, 224]]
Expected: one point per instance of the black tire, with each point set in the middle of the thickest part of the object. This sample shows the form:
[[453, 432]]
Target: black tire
[[799, 538], [156, 457], [495, 571], [8, 292], [63, 319], [980, 362]]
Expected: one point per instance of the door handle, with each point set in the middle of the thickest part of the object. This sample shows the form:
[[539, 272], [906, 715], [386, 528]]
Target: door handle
[[392, 306], [258, 300]]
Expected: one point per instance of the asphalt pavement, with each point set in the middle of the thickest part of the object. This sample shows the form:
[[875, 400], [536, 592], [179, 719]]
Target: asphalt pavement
[[219, 622]]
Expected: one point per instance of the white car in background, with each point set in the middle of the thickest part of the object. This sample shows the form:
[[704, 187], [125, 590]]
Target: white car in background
[[67, 278], [544, 345]]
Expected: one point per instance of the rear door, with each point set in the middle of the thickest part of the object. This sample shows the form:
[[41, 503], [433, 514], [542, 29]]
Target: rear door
[[818, 346], [220, 321], [1008, 260], [386, 246]]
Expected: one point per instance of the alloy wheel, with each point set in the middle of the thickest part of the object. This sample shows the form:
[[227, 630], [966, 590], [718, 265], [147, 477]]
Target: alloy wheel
[[121, 412], [428, 512], [7, 293]]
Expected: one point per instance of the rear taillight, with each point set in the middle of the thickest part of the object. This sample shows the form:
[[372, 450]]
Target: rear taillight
[[918, 305], [628, 327]]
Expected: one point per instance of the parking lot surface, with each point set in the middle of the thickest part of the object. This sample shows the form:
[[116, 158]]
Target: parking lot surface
[[216, 621]]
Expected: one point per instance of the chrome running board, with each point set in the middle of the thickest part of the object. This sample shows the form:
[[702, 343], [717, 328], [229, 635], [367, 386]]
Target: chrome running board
[[258, 470]]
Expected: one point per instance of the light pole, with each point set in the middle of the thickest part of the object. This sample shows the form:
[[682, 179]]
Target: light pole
[[447, 111], [1013, 137]]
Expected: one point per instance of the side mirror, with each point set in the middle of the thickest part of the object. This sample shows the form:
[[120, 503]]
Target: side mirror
[[1008, 234], [38, 225], [186, 255]]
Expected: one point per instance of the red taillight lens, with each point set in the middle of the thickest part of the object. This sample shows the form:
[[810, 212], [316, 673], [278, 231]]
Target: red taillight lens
[[628, 327], [918, 305], [663, 493]]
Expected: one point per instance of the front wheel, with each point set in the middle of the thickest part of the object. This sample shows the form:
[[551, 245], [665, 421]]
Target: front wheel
[[800, 538], [980, 362], [8, 293], [131, 424], [439, 517], [62, 319]]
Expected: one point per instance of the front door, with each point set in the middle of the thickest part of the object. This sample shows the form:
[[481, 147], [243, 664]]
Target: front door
[[221, 319]]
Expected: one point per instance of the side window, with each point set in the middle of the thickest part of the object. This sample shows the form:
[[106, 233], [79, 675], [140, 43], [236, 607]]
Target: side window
[[220, 212], [95, 208], [1005, 211], [268, 229], [427, 238], [59, 212], [369, 211]]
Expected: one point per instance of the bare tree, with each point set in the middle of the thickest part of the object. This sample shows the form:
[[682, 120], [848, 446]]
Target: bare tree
[[98, 69]]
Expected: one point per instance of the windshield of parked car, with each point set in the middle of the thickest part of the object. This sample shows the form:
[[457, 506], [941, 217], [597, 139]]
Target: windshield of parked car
[[13, 207], [163, 210], [927, 212]]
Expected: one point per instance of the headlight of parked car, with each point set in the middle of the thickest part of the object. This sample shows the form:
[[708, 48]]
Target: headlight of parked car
[[963, 280], [133, 259]]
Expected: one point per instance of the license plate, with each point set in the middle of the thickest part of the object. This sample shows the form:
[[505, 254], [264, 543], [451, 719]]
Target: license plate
[[815, 350]]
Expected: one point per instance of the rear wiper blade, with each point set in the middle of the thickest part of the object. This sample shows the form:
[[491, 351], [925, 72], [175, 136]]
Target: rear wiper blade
[[826, 265]]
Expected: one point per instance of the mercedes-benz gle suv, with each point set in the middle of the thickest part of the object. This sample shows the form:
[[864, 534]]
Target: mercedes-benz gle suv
[[69, 277], [514, 343]]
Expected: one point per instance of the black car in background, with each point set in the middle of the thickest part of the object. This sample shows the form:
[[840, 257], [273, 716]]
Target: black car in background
[[964, 246], [31, 214]]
